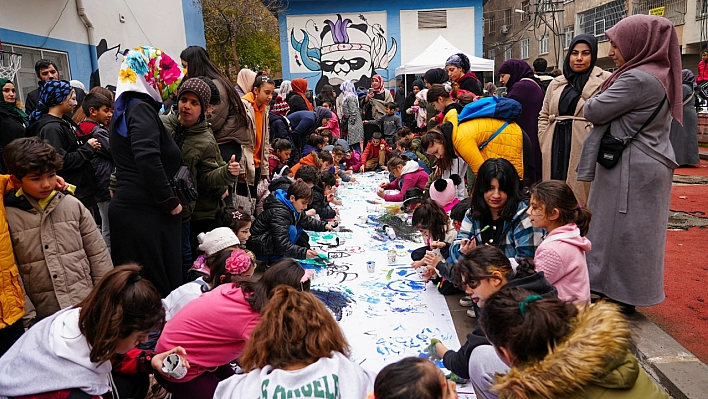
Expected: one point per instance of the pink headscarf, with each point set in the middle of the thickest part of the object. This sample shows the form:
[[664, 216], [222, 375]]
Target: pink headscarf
[[650, 44], [380, 80]]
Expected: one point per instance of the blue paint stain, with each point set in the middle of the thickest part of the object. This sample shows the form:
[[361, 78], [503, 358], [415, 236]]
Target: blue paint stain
[[337, 300], [402, 273]]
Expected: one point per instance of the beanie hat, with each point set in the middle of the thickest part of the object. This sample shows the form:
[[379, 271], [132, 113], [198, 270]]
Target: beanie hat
[[442, 191], [281, 107], [199, 88], [216, 240]]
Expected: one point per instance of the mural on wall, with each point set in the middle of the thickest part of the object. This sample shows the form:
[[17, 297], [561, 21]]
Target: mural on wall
[[109, 61], [340, 47]]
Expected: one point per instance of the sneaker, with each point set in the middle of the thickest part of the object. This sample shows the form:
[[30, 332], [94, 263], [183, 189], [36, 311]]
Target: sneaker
[[471, 313], [466, 302]]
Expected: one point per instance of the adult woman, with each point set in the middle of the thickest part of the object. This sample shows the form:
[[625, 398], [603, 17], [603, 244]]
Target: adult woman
[[297, 98], [244, 81], [228, 118], [407, 110], [305, 123], [521, 86], [557, 350], [255, 153], [352, 116], [631, 200], [431, 77], [374, 103], [327, 95], [13, 120], [684, 138], [146, 158], [561, 125], [458, 69]]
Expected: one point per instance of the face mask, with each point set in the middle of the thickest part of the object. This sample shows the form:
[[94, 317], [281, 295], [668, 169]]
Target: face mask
[[72, 99]]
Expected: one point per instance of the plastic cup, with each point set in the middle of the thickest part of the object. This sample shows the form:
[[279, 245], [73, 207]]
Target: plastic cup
[[371, 266]]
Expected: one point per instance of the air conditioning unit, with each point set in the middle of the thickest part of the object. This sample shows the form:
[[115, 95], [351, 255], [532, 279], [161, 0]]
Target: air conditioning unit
[[505, 29]]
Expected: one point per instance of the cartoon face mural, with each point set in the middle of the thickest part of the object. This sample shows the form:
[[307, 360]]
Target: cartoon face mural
[[109, 61], [339, 48]]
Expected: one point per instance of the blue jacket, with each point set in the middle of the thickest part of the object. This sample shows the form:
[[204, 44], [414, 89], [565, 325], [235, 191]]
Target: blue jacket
[[414, 157], [302, 123]]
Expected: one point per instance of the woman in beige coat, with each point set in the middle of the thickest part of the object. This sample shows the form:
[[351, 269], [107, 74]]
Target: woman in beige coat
[[561, 125]]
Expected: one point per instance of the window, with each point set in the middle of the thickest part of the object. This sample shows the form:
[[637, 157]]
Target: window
[[492, 54], [525, 49], [597, 20], [432, 19], [508, 17], [491, 24], [543, 44], [673, 10], [507, 53], [568, 34], [525, 8], [701, 9], [26, 79]]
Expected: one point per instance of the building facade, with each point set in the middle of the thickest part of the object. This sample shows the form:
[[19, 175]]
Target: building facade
[[86, 37]]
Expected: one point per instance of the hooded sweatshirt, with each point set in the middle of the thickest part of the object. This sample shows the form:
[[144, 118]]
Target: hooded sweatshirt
[[52, 356], [561, 258], [259, 113], [329, 377], [412, 175]]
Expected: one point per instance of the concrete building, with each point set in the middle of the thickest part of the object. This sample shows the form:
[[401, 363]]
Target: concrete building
[[86, 37]]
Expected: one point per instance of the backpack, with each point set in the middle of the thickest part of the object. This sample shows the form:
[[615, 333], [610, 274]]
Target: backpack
[[491, 107]]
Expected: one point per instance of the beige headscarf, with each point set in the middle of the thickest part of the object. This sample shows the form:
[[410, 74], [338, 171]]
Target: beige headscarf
[[245, 80], [650, 44]]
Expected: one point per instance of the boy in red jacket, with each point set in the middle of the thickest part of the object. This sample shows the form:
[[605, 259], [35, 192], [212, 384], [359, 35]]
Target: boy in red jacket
[[375, 154]]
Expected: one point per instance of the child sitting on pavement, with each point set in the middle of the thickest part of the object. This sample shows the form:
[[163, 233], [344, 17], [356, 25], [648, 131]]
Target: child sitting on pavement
[[388, 123], [321, 194], [375, 155]]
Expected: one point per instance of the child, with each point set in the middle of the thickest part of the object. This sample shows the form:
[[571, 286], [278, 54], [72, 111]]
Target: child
[[48, 122], [314, 143], [215, 328], [558, 350], [60, 252], [320, 196], [413, 377], [322, 161], [388, 123], [73, 352], [442, 98], [561, 255], [408, 174], [326, 136], [282, 149], [332, 125], [97, 109], [375, 155], [443, 192], [240, 223], [280, 230], [221, 260], [352, 160], [308, 174], [297, 346], [338, 154], [457, 214], [405, 147]]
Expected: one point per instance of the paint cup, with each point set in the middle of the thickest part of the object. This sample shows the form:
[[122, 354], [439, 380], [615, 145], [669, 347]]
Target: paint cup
[[391, 256], [172, 366], [420, 272], [371, 266]]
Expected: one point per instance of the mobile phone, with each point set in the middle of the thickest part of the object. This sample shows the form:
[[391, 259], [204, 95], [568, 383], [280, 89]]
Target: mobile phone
[[371, 90]]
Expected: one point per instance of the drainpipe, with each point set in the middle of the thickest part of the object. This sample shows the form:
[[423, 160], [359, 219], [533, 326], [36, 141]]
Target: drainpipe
[[81, 10]]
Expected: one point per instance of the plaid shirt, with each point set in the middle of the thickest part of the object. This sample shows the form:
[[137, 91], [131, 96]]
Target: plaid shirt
[[520, 237]]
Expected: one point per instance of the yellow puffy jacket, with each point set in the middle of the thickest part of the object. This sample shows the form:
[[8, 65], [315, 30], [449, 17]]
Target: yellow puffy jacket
[[470, 134], [12, 296]]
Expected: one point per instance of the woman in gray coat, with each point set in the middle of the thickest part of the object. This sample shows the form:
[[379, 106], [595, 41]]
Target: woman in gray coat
[[684, 138], [630, 202]]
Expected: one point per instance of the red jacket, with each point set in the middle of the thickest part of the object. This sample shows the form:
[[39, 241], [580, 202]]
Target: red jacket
[[372, 151], [702, 72]]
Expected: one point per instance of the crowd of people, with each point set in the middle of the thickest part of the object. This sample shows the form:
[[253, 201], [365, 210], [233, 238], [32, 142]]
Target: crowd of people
[[533, 205]]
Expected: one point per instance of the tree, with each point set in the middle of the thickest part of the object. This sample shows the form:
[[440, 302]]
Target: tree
[[242, 33]]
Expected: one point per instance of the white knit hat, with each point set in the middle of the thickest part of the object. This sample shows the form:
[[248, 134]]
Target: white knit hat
[[216, 240]]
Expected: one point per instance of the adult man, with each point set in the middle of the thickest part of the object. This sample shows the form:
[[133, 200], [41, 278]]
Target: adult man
[[539, 68], [47, 70]]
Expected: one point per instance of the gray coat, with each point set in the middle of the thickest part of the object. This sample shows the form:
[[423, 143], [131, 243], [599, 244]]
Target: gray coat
[[684, 138], [630, 202]]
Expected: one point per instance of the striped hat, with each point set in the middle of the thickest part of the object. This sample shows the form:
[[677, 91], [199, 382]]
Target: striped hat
[[281, 107]]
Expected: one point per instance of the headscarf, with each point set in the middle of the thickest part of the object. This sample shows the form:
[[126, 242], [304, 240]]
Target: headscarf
[[299, 86], [419, 83], [285, 89], [77, 84], [348, 89], [436, 76], [642, 40], [379, 79], [146, 72], [517, 69], [320, 113], [687, 77], [245, 80], [52, 93], [576, 80], [12, 108]]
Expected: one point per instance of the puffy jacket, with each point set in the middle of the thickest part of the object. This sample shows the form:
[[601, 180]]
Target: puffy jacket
[[320, 204], [202, 156], [473, 133], [103, 161], [310, 159], [270, 232], [226, 123], [354, 162], [282, 183], [279, 127], [296, 102], [247, 159], [702, 72], [411, 176], [12, 296], [60, 253]]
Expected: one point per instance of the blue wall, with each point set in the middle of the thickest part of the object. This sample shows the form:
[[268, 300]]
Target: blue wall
[[193, 24], [392, 9]]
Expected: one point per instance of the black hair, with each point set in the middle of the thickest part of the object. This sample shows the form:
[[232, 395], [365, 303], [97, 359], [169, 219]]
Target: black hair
[[282, 145], [233, 218], [44, 64], [391, 105], [95, 101], [281, 170], [430, 216], [217, 267], [326, 156], [215, 98], [408, 378], [406, 144], [315, 140], [458, 211], [309, 174], [257, 292], [403, 131], [483, 260], [540, 65], [327, 179], [377, 135], [509, 183], [261, 79], [300, 190]]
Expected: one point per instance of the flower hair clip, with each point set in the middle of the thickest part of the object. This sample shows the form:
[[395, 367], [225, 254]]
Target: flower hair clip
[[238, 263]]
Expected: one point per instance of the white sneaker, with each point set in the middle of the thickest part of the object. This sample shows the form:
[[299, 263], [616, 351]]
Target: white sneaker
[[471, 313], [466, 301]]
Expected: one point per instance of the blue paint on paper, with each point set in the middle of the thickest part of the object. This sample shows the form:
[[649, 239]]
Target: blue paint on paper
[[337, 300]]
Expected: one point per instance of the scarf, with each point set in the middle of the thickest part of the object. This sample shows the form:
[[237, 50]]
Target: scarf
[[348, 89], [52, 93], [436, 76], [576, 80], [245, 80], [456, 60], [12, 108], [517, 69], [379, 79], [285, 89], [650, 44], [320, 113], [687, 77], [299, 86], [146, 73]]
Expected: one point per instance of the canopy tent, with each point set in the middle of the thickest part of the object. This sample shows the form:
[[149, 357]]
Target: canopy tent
[[435, 56]]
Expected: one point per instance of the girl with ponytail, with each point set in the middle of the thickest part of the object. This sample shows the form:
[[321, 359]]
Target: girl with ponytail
[[561, 255]]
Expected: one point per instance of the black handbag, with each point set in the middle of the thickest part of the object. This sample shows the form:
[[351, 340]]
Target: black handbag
[[183, 181], [611, 147]]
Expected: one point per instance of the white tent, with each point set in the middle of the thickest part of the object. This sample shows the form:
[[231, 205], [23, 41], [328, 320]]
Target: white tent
[[435, 56]]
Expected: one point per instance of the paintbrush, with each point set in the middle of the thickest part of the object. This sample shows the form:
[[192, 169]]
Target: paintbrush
[[475, 237]]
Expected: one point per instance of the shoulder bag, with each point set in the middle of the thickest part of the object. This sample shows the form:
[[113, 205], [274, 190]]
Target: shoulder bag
[[183, 181]]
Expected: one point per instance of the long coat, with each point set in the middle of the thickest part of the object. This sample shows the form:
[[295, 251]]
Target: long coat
[[581, 127], [684, 138], [630, 202]]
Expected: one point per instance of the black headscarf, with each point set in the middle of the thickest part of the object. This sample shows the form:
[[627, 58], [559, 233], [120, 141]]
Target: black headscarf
[[576, 80], [436, 75]]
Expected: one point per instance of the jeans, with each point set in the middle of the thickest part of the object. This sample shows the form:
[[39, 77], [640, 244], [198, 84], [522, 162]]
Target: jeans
[[105, 229]]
